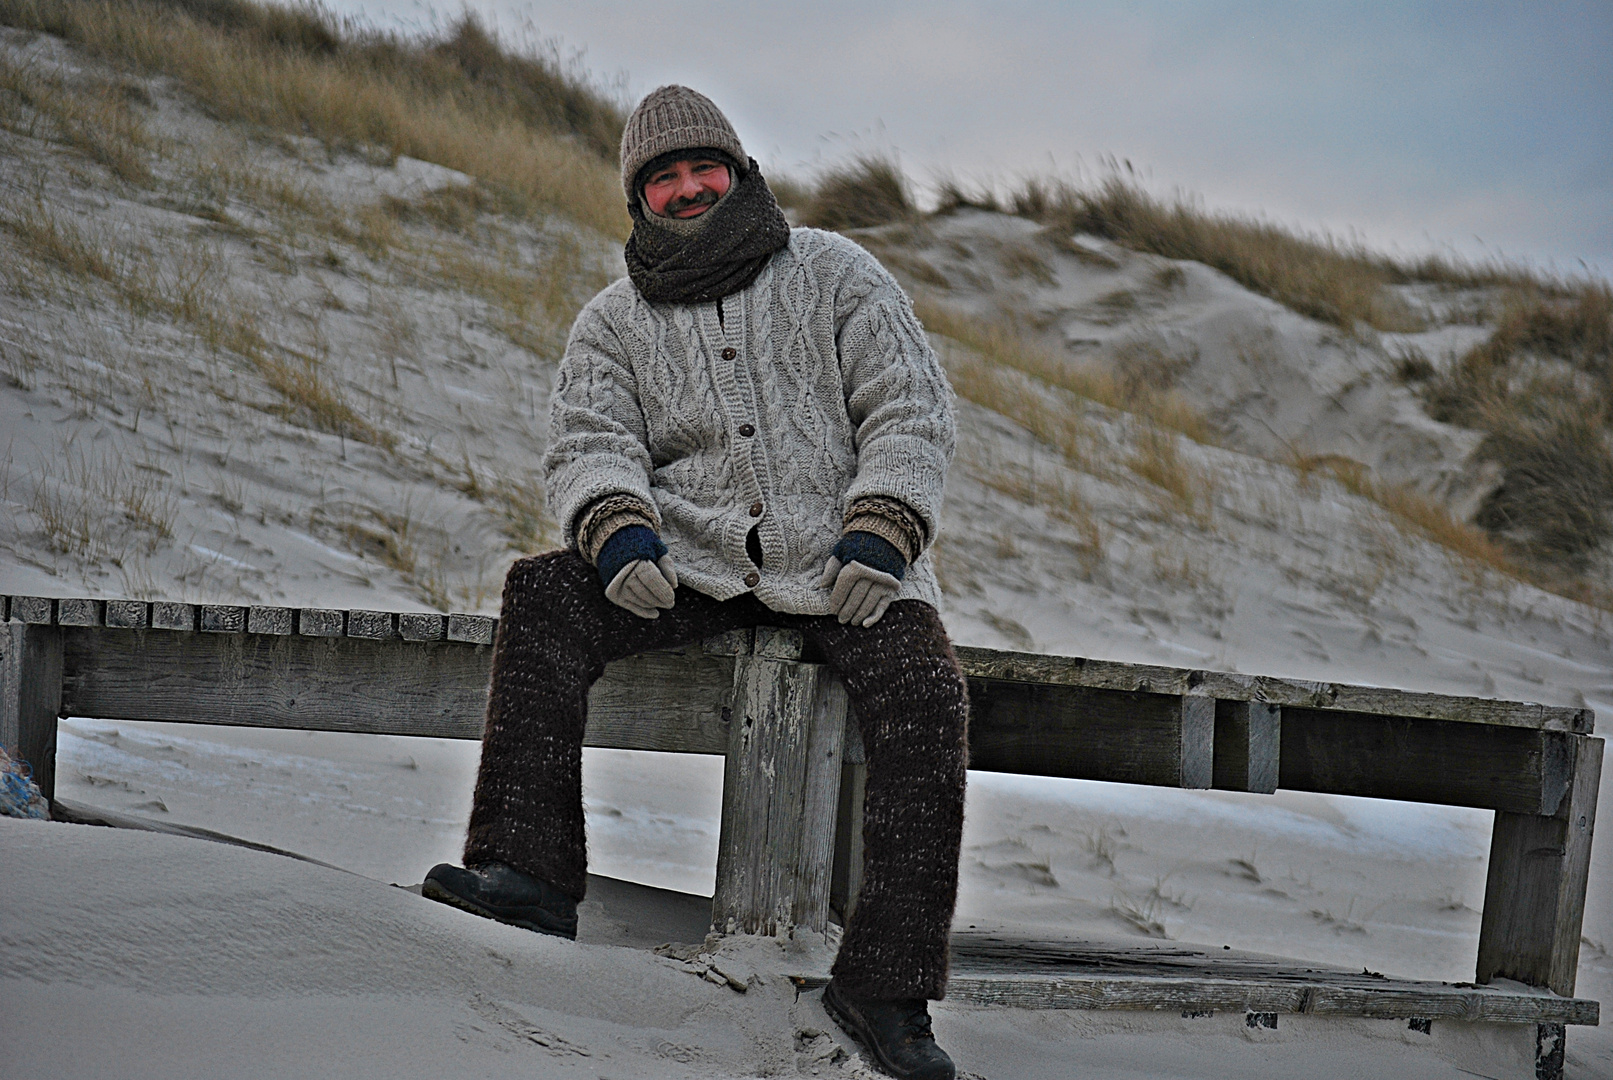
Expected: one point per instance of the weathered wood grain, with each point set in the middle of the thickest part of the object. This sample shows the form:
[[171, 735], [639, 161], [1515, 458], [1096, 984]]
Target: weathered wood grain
[[1534, 898], [375, 625], [80, 612], [473, 629], [993, 968], [34, 610], [166, 615], [422, 626], [223, 619], [775, 853], [128, 614], [321, 622], [658, 701], [1112, 675], [1437, 761], [271, 620], [1091, 734], [30, 697], [1247, 745]]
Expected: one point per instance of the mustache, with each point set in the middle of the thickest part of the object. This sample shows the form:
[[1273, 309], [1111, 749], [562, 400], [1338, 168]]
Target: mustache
[[705, 198]]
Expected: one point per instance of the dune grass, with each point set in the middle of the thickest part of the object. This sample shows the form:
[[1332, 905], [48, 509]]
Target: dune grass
[[537, 135], [1005, 345]]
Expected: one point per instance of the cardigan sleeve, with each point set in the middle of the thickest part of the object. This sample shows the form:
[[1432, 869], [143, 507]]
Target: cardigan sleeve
[[897, 395], [598, 442]]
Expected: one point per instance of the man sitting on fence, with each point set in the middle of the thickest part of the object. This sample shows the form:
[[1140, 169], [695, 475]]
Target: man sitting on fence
[[751, 428]]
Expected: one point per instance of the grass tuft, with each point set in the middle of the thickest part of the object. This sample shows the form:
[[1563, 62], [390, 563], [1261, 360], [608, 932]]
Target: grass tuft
[[463, 102], [869, 191]]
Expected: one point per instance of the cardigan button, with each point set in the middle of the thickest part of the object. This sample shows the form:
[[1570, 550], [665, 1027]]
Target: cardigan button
[[746, 430], [755, 509], [752, 579], [729, 353]]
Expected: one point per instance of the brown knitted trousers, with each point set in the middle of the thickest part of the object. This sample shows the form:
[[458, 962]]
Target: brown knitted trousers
[[556, 634]]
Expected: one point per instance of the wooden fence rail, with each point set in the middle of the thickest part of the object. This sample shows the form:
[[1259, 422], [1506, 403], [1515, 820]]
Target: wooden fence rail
[[790, 844]]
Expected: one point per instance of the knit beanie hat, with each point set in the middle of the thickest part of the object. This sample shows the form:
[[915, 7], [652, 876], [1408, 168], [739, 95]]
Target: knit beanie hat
[[674, 118]]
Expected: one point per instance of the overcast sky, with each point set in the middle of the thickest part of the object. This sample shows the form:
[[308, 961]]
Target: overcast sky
[[1465, 126]]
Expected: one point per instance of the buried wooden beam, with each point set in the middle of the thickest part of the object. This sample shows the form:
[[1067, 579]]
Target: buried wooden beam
[[1534, 898], [1089, 734]]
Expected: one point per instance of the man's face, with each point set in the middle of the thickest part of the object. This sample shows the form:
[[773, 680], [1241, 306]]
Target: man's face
[[686, 189]]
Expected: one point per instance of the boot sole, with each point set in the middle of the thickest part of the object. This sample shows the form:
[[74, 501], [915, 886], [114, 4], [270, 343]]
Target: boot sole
[[431, 890]]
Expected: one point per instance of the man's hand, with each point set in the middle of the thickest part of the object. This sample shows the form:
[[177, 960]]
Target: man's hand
[[644, 587], [860, 593]]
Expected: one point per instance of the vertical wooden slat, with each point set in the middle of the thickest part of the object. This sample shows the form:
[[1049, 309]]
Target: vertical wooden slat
[[781, 784], [1198, 741], [1534, 899], [1248, 744], [31, 698]]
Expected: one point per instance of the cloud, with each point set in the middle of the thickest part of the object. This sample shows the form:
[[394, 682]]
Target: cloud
[[1418, 124]]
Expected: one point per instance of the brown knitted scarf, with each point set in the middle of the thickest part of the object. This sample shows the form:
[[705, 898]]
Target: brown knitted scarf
[[720, 258]]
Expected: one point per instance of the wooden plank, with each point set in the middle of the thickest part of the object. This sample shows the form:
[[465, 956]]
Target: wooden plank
[[34, 610], [170, 616], [1247, 746], [847, 878], [1035, 991], [271, 620], [31, 697], [1089, 734], [1435, 761], [775, 852], [1006, 666], [473, 629], [80, 612], [676, 702], [128, 614], [223, 619], [321, 622], [1094, 975], [1534, 898], [422, 626], [658, 701], [375, 625]]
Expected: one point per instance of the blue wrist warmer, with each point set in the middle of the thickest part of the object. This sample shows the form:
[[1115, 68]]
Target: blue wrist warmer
[[627, 544], [871, 550]]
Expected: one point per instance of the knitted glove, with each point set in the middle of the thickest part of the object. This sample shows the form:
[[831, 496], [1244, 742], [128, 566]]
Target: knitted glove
[[862, 588], [637, 571]]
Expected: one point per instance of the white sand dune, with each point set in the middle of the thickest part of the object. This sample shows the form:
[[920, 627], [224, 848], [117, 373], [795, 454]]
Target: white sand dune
[[140, 461]]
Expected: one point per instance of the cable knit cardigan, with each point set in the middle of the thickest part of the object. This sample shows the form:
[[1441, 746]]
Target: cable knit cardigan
[[811, 388]]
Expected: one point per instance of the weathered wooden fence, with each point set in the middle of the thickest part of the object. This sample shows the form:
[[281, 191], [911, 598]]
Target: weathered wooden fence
[[789, 850]]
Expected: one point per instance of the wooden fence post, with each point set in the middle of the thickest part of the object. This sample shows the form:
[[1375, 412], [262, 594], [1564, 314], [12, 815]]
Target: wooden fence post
[[31, 697], [1534, 900], [781, 789]]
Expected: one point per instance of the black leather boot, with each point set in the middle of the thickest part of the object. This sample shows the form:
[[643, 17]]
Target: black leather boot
[[497, 891], [897, 1033]]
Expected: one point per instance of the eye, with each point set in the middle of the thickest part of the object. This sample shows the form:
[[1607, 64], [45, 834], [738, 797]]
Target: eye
[[663, 177]]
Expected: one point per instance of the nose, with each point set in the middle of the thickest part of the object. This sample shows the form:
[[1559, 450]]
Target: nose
[[688, 184]]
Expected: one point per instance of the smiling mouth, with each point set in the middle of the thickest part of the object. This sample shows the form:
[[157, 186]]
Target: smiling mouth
[[693, 206]]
